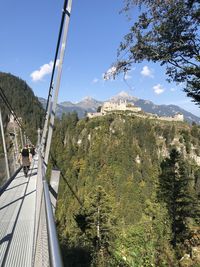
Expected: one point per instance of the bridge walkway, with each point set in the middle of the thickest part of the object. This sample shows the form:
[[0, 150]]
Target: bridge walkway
[[17, 219]]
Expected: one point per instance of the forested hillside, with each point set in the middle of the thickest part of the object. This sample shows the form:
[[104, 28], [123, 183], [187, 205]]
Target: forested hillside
[[29, 111], [129, 193], [24, 103]]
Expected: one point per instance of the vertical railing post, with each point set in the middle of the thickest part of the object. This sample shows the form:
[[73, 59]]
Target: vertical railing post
[[39, 137], [54, 183], [21, 136], [44, 133], [16, 141], [4, 146], [16, 144], [25, 139]]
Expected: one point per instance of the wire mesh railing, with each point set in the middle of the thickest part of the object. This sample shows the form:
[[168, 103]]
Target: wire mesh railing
[[3, 176], [47, 252], [12, 164]]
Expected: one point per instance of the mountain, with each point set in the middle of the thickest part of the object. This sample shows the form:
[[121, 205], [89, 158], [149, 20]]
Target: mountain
[[166, 110], [89, 104], [124, 96], [160, 110], [67, 104], [43, 101], [29, 112], [24, 102]]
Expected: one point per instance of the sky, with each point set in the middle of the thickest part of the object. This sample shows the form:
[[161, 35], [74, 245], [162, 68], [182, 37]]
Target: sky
[[29, 31]]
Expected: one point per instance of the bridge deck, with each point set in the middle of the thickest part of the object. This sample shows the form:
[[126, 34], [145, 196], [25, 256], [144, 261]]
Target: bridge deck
[[17, 215]]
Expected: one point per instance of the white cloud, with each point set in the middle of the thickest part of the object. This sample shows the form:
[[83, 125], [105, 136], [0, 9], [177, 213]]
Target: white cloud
[[147, 72], [158, 89], [45, 69], [95, 80], [173, 89]]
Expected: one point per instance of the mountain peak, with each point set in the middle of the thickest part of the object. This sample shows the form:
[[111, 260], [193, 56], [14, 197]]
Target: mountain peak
[[89, 102], [87, 98], [124, 96]]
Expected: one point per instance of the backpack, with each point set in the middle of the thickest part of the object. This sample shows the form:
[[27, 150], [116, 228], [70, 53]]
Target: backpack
[[32, 151], [25, 152]]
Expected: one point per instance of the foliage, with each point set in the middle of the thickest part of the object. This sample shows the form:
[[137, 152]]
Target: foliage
[[97, 222], [174, 190], [24, 102], [165, 32], [117, 157], [146, 243]]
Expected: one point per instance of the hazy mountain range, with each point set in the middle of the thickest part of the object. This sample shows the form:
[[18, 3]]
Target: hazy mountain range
[[89, 104]]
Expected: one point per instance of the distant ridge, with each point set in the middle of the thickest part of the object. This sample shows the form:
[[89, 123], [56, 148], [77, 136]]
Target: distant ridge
[[89, 104]]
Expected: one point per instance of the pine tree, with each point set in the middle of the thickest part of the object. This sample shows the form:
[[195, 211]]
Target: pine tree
[[174, 181], [97, 222]]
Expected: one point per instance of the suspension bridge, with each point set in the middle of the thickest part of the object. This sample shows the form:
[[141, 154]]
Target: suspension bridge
[[28, 233]]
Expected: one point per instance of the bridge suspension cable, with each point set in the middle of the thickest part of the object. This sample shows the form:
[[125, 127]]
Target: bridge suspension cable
[[8, 105], [16, 119], [65, 26], [10, 108], [50, 92], [56, 54], [4, 147]]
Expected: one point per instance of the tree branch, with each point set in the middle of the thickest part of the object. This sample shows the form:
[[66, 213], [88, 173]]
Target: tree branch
[[189, 62], [175, 64]]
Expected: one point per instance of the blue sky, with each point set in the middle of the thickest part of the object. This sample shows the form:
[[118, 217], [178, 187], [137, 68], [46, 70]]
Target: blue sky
[[29, 32]]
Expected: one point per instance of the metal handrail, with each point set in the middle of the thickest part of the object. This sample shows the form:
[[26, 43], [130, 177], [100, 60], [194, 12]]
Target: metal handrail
[[53, 244], [55, 255]]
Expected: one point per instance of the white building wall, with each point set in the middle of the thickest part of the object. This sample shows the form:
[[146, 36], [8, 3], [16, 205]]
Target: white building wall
[[110, 106]]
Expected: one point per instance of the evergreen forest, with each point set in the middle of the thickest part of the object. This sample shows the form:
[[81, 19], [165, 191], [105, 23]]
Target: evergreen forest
[[25, 104], [29, 111], [129, 191]]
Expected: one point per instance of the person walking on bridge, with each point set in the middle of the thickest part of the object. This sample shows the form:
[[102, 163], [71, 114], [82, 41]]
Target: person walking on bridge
[[32, 150], [25, 159]]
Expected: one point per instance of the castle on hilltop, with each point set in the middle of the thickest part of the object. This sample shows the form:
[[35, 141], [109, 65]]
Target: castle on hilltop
[[121, 105], [109, 107], [114, 106]]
